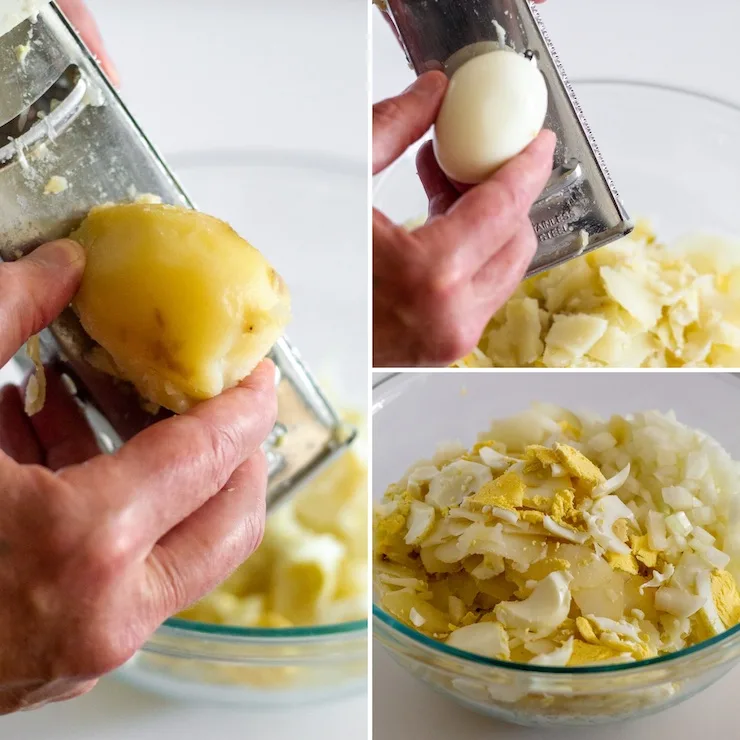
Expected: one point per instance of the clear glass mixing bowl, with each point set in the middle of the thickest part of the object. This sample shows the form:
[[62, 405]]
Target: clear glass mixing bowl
[[308, 215], [674, 156], [413, 413]]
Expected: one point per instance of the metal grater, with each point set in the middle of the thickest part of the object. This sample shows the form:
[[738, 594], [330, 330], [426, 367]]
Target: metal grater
[[580, 209], [89, 138]]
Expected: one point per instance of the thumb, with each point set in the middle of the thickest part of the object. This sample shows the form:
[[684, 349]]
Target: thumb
[[399, 122], [35, 290], [81, 18]]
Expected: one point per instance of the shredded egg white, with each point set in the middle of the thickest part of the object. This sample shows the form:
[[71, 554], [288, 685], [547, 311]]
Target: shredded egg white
[[635, 303], [562, 539]]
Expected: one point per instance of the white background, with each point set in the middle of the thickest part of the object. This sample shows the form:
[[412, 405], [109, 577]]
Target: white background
[[680, 42], [288, 75]]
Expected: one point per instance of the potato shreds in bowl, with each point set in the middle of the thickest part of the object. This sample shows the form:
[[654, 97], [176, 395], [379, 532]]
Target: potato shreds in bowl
[[561, 539], [311, 568], [635, 303]]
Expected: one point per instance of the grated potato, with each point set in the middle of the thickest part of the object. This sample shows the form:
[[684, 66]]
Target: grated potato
[[635, 303], [312, 565]]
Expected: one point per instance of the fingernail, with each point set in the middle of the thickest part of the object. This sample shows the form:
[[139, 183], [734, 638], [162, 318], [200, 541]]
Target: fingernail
[[59, 254], [548, 134], [269, 364], [429, 84]]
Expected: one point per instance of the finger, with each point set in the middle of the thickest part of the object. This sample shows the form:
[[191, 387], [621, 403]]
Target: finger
[[458, 332], [81, 18], [60, 689], [17, 438], [440, 191], [171, 469], [202, 551], [34, 291], [484, 219], [399, 122], [397, 255], [497, 280], [61, 427], [80, 689], [119, 402]]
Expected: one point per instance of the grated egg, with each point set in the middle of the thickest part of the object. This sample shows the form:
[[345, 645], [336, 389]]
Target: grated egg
[[563, 556], [635, 303]]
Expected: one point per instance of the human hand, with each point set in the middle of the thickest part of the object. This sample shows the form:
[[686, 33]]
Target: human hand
[[97, 551], [81, 18], [436, 288]]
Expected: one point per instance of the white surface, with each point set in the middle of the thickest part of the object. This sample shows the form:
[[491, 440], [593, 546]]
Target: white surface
[[455, 406], [114, 711], [260, 78], [403, 708], [679, 42]]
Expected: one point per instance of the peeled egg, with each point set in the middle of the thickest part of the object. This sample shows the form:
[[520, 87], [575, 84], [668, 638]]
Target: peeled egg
[[545, 608], [494, 108], [182, 305]]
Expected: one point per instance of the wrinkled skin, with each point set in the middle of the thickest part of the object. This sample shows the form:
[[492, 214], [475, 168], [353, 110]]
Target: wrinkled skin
[[435, 288], [97, 551]]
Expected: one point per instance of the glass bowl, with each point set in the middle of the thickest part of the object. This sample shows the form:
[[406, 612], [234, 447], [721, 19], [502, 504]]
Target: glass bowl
[[412, 414], [674, 156], [308, 215]]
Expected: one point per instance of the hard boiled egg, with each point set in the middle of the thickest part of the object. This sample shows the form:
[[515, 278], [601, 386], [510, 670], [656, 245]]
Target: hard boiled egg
[[494, 108]]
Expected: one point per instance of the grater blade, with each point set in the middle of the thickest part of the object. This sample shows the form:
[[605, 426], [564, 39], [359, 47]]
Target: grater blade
[[91, 140], [580, 209]]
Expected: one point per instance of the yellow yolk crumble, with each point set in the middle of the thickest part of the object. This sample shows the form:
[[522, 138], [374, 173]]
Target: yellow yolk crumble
[[562, 539]]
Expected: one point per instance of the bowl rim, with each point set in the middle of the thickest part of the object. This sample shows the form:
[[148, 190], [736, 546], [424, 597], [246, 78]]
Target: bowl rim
[[175, 625], [663, 87], [391, 386], [526, 668]]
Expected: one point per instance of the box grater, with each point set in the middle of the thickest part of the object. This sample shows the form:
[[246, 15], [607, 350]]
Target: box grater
[[64, 123], [580, 209]]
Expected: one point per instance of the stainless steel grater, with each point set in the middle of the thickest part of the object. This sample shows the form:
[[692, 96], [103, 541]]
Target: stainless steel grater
[[580, 209], [65, 124]]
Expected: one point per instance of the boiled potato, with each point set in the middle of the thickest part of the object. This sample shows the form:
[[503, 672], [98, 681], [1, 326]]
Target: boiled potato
[[184, 307]]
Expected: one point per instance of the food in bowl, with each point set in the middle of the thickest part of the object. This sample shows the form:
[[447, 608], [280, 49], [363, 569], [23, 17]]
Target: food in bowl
[[179, 304], [565, 540], [311, 568], [636, 303], [293, 612]]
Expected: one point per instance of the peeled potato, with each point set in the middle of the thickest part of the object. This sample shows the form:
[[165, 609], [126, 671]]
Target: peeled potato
[[184, 307], [494, 108]]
